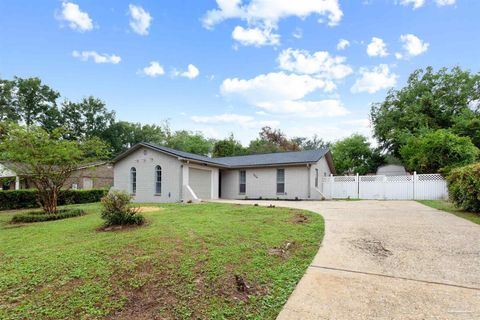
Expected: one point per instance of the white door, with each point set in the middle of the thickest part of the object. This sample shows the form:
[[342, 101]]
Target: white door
[[201, 182], [87, 183]]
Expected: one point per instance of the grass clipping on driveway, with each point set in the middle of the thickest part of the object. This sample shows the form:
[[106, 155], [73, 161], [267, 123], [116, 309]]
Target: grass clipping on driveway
[[205, 261]]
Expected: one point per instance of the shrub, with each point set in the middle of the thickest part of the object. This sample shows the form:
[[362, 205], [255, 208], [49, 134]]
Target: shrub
[[39, 216], [25, 199], [118, 211], [464, 187]]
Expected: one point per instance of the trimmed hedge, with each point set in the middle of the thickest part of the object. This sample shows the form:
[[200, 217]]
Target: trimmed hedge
[[25, 199], [464, 187], [36, 216]]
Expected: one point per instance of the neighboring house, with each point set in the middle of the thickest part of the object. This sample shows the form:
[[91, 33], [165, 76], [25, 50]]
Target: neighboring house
[[391, 170], [89, 176], [153, 173]]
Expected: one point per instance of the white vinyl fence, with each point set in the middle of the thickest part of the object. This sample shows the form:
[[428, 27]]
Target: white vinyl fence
[[412, 187]]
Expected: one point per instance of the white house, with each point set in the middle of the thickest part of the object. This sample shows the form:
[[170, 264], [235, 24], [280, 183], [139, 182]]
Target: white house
[[153, 173]]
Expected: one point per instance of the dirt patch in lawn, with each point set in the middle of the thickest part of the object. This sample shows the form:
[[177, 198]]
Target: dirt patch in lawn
[[149, 209], [299, 218]]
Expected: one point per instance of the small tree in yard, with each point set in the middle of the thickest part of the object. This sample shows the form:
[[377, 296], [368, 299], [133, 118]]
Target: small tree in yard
[[46, 159], [464, 187], [117, 210]]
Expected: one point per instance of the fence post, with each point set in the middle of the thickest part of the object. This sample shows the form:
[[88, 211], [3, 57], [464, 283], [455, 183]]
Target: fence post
[[414, 182], [331, 186], [358, 186]]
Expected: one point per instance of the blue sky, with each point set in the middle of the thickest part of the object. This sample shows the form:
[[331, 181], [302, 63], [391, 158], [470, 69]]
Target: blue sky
[[233, 66]]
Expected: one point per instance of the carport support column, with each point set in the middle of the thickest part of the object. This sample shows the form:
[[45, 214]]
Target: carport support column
[[185, 178], [17, 183]]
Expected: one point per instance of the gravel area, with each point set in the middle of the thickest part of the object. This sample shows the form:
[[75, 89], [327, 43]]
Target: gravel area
[[388, 260]]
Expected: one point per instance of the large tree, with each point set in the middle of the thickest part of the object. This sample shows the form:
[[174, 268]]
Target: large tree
[[46, 159], [87, 118], [440, 150], [355, 155], [228, 147], [188, 141], [29, 102], [447, 99], [272, 140]]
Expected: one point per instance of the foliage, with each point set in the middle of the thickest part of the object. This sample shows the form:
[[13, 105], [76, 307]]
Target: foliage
[[228, 147], [435, 151], [34, 216], [67, 270], [464, 187], [314, 143], [47, 159], [117, 211], [21, 199], [86, 119], [30, 102], [354, 155], [188, 141], [447, 99], [450, 207], [272, 140]]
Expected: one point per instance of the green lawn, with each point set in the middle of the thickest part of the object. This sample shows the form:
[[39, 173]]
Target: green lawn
[[449, 207], [180, 265]]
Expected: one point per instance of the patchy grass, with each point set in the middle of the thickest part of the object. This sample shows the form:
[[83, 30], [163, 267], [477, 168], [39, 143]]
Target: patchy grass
[[449, 207], [202, 261]]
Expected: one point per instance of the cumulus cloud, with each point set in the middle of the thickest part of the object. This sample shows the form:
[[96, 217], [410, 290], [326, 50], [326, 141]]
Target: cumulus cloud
[[320, 63], [283, 93], [97, 57], [255, 36], [377, 48], [191, 73], [231, 118], [412, 45], [343, 44], [375, 79], [77, 19], [153, 70], [269, 12], [420, 3], [140, 19]]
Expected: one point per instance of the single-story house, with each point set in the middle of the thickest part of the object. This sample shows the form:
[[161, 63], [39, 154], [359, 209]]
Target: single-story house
[[95, 175], [153, 173], [391, 170]]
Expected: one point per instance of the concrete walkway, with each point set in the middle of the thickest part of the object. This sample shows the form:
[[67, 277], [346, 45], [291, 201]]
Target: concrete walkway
[[388, 260]]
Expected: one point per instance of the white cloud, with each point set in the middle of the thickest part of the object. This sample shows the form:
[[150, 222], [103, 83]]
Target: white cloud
[[377, 48], [275, 86], [420, 3], [282, 93], [97, 57], [191, 73], [230, 118], [268, 12], [375, 79], [255, 36], [298, 33], [320, 63], [140, 19], [412, 45], [153, 70], [77, 19], [343, 44]]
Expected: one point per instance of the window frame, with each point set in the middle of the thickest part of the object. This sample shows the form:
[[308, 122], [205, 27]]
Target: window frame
[[133, 180], [280, 183], [158, 180], [244, 173]]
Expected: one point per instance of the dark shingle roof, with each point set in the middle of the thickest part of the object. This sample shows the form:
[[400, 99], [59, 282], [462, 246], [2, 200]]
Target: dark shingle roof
[[309, 156], [280, 158]]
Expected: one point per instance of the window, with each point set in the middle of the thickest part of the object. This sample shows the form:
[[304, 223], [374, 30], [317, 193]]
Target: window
[[133, 180], [281, 181], [243, 181], [316, 178], [158, 180]]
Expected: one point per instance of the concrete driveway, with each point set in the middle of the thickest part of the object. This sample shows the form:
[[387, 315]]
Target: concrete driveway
[[388, 260]]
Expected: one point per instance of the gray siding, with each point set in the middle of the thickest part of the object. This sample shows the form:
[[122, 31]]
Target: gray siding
[[145, 165]]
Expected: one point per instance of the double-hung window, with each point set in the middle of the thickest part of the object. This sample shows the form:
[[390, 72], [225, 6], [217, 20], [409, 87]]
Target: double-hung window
[[158, 180], [133, 180], [280, 181], [243, 182], [316, 178]]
